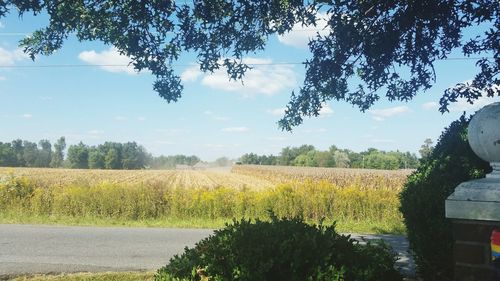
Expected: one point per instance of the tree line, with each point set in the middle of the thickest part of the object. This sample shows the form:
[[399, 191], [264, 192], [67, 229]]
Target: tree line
[[109, 155], [309, 156]]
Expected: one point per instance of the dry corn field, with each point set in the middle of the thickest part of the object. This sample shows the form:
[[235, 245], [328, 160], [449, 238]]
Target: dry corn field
[[358, 200], [241, 176], [153, 178], [361, 178]]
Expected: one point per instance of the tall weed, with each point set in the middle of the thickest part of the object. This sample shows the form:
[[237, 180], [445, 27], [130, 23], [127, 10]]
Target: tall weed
[[314, 201]]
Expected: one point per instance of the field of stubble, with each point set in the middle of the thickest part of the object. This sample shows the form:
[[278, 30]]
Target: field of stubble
[[357, 200]]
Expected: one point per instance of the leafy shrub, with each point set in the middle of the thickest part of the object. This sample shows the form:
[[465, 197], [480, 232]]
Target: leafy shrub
[[423, 200], [280, 249]]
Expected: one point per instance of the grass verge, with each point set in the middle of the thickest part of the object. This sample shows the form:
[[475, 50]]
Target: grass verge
[[106, 276], [341, 226]]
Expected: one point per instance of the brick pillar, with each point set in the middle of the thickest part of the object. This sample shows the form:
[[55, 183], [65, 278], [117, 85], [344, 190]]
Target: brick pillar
[[472, 250]]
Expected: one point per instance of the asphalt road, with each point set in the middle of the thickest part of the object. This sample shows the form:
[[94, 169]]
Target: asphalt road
[[29, 249]]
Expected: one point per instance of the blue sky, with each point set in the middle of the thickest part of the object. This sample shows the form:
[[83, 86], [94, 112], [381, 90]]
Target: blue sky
[[215, 117]]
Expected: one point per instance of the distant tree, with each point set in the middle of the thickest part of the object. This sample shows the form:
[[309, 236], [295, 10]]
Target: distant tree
[[18, 150], [341, 159], [315, 158], [7, 155], [96, 159], [169, 162], [268, 160], [310, 158], [324, 159], [30, 154], [44, 156], [332, 149], [411, 161], [288, 154], [112, 159], [58, 155], [300, 160], [356, 160], [161, 162], [307, 155], [426, 149], [192, 160], [133, 156], [286, 158], [375, 159], [250, 158], [78, 156], [303, 149]]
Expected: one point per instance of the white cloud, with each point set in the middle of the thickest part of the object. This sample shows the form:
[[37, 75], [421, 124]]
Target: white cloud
[[9, 58], [430, 105], [277, 111], [264, 78], [27, 116], [462, 104], [191, 74], [382, 114], [109, 60], [120, 118], [141, 118], [325, 111], [221, 118], [315, 131], [235, 129], [2, 25], [300, 35], [216, 117], [3, 78]]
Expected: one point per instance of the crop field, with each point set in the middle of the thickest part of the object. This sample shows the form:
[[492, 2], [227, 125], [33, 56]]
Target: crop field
[[341, 177], [174, 178], [357, 200]]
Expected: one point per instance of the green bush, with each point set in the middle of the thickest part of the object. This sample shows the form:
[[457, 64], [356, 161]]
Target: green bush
[[280, 249], [423, 199]]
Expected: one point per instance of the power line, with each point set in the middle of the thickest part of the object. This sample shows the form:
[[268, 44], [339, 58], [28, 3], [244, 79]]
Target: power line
[[179, 65], [14, 34], [126, 65]]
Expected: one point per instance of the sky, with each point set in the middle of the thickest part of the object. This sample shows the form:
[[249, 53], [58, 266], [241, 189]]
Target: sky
[[215, 117]]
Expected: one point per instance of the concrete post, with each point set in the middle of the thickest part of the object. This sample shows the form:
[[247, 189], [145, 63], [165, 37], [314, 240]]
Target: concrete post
[[474, 207]]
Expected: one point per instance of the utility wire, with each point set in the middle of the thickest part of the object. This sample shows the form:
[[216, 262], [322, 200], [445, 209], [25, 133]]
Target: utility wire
[[74, 33], [179, 65]]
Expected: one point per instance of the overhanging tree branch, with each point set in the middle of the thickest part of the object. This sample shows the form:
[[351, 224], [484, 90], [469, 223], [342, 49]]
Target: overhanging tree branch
[[374, 47]]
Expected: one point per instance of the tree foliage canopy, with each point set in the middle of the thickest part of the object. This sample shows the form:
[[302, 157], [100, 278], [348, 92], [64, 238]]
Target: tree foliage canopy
[[370, 42], [309, 156]]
